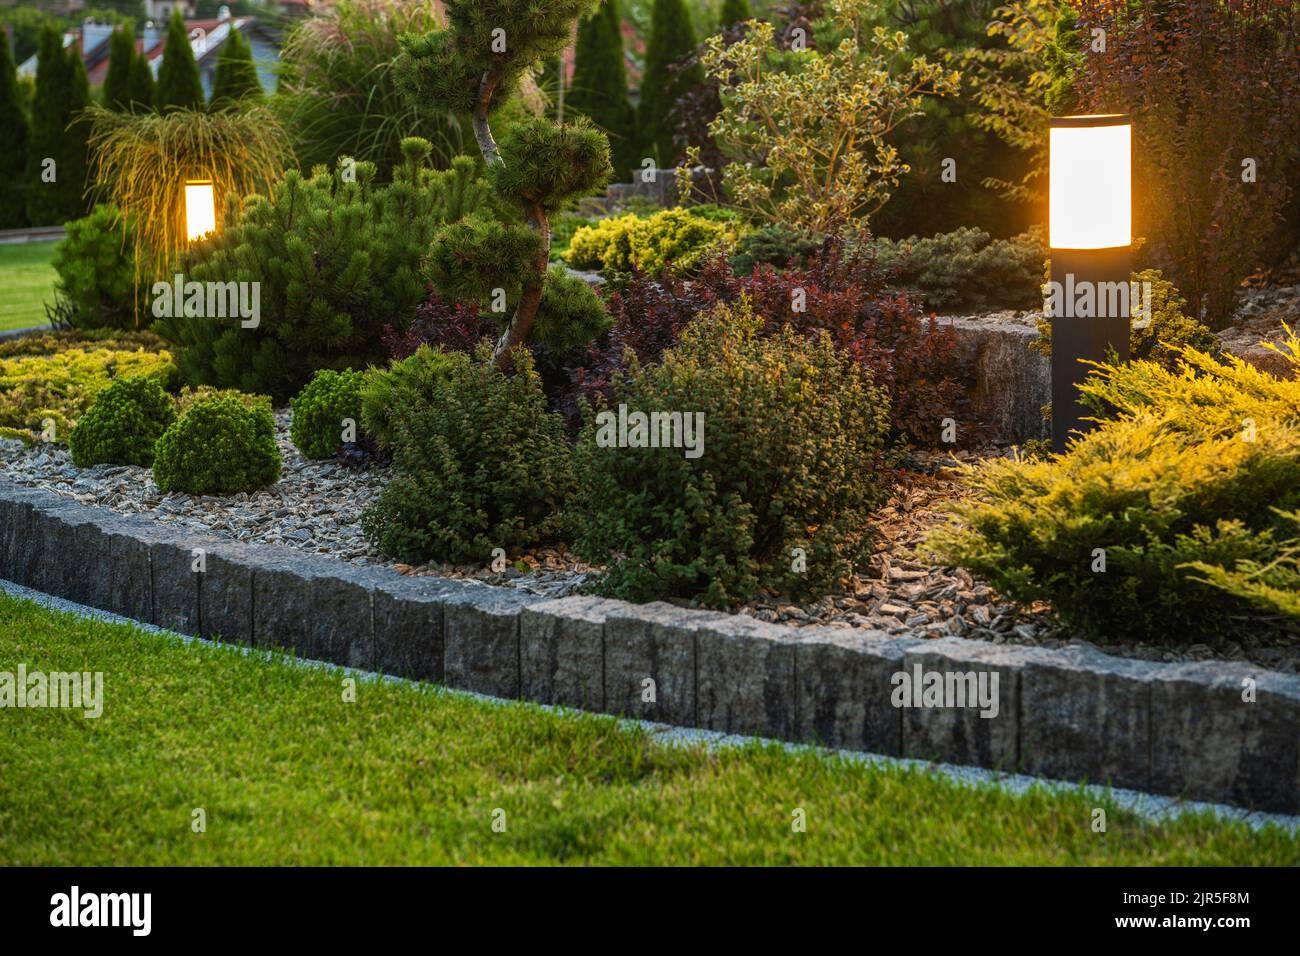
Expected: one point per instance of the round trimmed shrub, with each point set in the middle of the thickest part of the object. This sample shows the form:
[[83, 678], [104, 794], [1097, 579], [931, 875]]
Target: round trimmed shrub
[[320, 409], [478, 464], [221, 445], [122, 424], [773, 490]]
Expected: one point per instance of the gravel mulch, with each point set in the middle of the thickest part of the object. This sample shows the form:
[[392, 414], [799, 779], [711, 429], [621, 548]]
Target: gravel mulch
[[315, 507]]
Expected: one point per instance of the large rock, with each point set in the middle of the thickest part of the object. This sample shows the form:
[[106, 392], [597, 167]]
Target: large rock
[[1012, 383], [745, 677], [1087, 716], [481, 636], [1210, 741]]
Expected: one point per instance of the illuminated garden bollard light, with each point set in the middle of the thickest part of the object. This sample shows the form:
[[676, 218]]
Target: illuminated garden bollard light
[[200, 209], [1090, 232]]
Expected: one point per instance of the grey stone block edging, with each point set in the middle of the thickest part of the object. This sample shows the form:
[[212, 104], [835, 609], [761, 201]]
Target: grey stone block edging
[[1214, 731]]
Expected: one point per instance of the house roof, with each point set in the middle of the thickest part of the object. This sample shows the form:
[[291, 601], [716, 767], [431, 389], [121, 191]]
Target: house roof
[[206, 45]]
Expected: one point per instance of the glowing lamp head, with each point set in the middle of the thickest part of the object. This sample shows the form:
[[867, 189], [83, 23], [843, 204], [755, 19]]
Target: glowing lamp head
[[1090, 182], [200, 209]]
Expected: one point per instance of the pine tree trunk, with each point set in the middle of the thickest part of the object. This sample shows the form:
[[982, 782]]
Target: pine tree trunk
[[521, 322]]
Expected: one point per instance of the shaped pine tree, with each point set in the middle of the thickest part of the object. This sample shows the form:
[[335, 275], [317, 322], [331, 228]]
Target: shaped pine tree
[[471, 67]]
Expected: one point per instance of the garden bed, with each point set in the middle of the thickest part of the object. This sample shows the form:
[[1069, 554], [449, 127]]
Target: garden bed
[[314, 506]]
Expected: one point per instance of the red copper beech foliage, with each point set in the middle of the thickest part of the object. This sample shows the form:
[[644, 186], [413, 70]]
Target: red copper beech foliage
[[1211, 84], [842, 292]]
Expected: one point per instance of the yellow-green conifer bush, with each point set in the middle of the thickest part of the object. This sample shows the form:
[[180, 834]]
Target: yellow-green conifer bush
[[1181, 485]]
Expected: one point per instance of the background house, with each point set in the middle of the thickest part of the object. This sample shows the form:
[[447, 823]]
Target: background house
[[206, 39]]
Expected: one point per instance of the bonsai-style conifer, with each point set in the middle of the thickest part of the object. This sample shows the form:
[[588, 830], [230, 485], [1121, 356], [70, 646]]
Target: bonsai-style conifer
[[179, 83], [471, 67]]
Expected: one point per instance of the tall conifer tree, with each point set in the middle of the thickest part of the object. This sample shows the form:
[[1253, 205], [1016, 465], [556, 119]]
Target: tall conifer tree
[[600, 85]]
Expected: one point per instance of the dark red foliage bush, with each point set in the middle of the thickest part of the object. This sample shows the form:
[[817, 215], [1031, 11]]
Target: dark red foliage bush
[[454, 327], [842, 291]]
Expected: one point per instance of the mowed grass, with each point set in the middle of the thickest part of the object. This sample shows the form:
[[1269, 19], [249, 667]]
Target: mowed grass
[[26, 283], [287, 772]]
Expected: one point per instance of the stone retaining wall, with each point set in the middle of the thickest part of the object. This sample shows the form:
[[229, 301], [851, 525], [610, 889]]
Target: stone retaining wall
[[1074, 714]]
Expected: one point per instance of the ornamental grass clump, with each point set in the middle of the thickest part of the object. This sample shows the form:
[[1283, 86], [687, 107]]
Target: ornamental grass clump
[[776, 495], [140, 162], [1180, 485]]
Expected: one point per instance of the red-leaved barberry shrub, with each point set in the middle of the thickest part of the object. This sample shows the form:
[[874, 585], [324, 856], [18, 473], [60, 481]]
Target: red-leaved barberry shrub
[[452, 326], [842, 291]]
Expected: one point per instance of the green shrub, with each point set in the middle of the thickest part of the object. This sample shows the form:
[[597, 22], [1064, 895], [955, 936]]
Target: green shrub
[[967, 269], [320, 409], [338, 259], [773, 245], [1191, 470], [80, 340], [189, 397], [46, 394], [622, 243], [122, 424], [571, 315], [1273, 587], [391, 393], [96, 270], [1160, 340], [220, 445], [480, 465], [791, 449]]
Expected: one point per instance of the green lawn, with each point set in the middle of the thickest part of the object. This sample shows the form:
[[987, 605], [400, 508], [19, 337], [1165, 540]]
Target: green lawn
[[26, 283], [287, 772]]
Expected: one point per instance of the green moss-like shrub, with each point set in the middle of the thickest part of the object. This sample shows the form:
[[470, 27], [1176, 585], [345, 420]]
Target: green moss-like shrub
[[968, 269], [779, 498], [622, 243], [391, 393], [123, 424], [320, 409], [221, 445], [55, 390], [97, 274], [480, 464], [81, 340], [1192, 468]]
